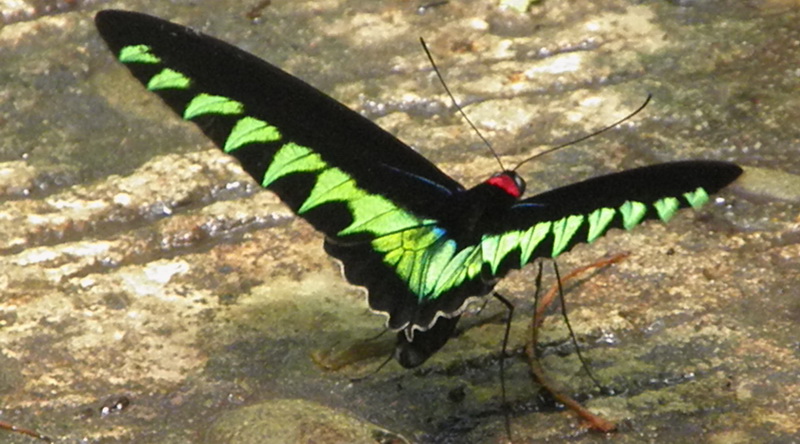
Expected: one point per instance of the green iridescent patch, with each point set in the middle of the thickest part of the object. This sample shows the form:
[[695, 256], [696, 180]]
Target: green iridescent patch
[[250, 130], [666, 208], [168, 79], [377, 215], [332, 185], [496, 247], [292, 158], [464, 265], [203, 104], [410, 256], [599, 220], [532, 238], [138, 54], [563, 231], [632, 213], [696, 198]]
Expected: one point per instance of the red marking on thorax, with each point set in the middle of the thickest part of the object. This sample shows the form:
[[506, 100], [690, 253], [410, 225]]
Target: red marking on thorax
[[505, 183]]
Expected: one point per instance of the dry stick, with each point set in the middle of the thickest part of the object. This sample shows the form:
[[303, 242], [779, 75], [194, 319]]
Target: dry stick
[[595, 422], [12, 428]]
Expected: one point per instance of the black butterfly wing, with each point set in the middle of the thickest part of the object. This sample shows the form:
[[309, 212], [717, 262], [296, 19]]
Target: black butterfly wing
[[552, 222], [449, 274], [331, 165], [376, 200], [379, 203]]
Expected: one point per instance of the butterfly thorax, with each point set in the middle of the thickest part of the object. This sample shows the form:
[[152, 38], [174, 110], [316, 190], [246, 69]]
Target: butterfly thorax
[[471, 212]]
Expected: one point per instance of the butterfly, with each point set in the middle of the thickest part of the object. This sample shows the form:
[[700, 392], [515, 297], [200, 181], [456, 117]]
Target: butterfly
[[422, 244]]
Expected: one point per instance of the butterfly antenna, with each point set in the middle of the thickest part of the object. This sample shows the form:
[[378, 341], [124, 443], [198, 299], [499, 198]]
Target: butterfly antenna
[[595, 133], [455, 103]]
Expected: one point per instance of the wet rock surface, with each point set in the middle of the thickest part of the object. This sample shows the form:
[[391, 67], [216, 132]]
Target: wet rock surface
[[152, 294]]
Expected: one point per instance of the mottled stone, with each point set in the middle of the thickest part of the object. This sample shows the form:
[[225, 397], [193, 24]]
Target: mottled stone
[[139, 263]]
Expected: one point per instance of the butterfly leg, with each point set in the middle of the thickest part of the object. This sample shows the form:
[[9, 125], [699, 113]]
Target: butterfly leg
[[595, 422], [574, 274], [510, 308]]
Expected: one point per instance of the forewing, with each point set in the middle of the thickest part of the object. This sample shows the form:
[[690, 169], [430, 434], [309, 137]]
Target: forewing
[[551, 223], [332, 166]]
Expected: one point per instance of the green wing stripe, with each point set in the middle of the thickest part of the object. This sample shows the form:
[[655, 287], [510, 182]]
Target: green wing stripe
[[489, 247], [599, 220], [498, 248], [508, 243], [138, 54], [168, 79], [250, 130], [204, 103], [632, 213], [428, 261], [409, 253], [495, 248], [696, 198], [458, 269], [436, 263], [375, 214], [292, 158], [667, 207], [371, 213], [332, 185], [531, 239], [563, 231]]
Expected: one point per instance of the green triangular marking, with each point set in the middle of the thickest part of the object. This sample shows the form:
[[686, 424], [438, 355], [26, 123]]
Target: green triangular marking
[[332, 185], [531, 239], [563, 231], [204, 103], [435, 262], [250, 130], [138, 54], [456, 271], [415, 254], [489, 247], [375, 214], [599, 220], [696, 198], [292, 158], [168, 79], [507, 242], [380, 224], [632, 213], [666, 208]]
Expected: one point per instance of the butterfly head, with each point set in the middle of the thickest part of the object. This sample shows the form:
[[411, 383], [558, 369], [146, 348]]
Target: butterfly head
[[508, 181]]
